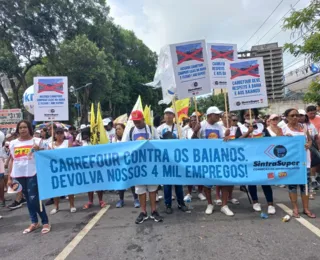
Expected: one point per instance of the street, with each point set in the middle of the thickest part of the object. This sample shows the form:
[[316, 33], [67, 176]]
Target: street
[[180, 236]]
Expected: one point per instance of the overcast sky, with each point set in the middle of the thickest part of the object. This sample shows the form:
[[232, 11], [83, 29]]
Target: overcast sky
[[161, 22]]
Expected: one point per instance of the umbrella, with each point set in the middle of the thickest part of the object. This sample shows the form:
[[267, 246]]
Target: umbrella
[[58, 124]]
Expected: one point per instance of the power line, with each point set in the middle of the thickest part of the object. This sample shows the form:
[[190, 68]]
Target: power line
[[294, 64], [278, 21], [262, 24]]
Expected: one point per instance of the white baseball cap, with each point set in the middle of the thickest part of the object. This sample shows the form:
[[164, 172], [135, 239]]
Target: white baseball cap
[[83, 127], [302, 112], [213, 110], [169, 110], [106, 121]]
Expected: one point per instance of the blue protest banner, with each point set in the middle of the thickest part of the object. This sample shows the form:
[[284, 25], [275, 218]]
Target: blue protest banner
[[273, 161]]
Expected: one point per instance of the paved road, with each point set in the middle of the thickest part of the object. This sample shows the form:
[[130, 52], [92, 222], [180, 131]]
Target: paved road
[[180, 236]]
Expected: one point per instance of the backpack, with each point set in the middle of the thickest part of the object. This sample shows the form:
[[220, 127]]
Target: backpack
[[132, 128], [169, 134]]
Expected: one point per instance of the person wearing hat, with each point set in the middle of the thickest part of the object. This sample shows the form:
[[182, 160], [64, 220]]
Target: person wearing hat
[[169, 130], [141, 131], [273, 129], [108, 126], [211, 129]]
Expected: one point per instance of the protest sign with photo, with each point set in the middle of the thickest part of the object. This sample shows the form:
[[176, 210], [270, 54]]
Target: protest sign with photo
[[246, 84], [190, 69], [220, 54], [51, 99]]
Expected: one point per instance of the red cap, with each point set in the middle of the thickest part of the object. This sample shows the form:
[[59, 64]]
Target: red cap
[[136, 115]]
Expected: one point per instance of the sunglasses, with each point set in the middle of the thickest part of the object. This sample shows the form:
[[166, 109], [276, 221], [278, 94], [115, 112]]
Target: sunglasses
[[296, 115], [235, 120]]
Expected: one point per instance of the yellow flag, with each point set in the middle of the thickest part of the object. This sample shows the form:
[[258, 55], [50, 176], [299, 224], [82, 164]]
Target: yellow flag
[[93, 132], [147, 115], [102, 137]]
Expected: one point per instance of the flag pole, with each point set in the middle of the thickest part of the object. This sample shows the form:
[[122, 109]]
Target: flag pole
[[196, 108], [226, 106], [176, 116]]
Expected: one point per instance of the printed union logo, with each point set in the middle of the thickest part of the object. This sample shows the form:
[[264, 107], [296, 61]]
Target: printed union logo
[[270, 175], [282, 174], [279, 151], [51, 111], [216, 82], [238, 103], [195, 84]]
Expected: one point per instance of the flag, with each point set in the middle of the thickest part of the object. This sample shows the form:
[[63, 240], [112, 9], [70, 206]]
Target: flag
[[182, 107], [102, 137], [93, 132], [164, 77], [121, 119], [137, 106], [147, 115]]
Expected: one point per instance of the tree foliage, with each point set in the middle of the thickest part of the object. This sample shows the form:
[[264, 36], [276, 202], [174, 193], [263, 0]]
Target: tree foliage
[[205, 102], [77, 39], [305, 24]]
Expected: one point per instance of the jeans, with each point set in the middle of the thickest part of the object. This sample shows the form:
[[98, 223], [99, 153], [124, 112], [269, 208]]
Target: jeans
[[167, 189], [31, 194], [267, 190]]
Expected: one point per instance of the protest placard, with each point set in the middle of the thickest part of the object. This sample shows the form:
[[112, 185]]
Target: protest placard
[[10, 117], [220, 54], [117, 166], [51, 99], [246, 84], [190, 65]]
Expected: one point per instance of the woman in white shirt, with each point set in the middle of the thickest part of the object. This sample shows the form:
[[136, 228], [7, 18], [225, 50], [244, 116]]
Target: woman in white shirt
[[294, 128], [60, 142], [23, 169]]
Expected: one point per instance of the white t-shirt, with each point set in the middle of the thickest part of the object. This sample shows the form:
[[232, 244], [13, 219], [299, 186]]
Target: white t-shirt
[[162, 129], [65, 144], [141, 134], [258, 132], [111, 134], [23, 160], [233, 130], [312, 130], [209, 131], [286, 130]]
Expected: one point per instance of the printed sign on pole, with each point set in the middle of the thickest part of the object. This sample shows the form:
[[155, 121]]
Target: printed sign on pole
[[190, 69], [10, 117], [246, 84], [51, 99], [220, 54]]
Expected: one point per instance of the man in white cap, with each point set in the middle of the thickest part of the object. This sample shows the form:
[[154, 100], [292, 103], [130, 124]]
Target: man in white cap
[[210, 129], [108, 126], [169, 130]]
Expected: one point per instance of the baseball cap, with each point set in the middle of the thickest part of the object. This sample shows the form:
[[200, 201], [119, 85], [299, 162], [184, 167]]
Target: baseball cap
[[302, 112], [273, 116], [136, 115], [38, 132], [169, 110], [106, 121], [82, 127], [213, 110]]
